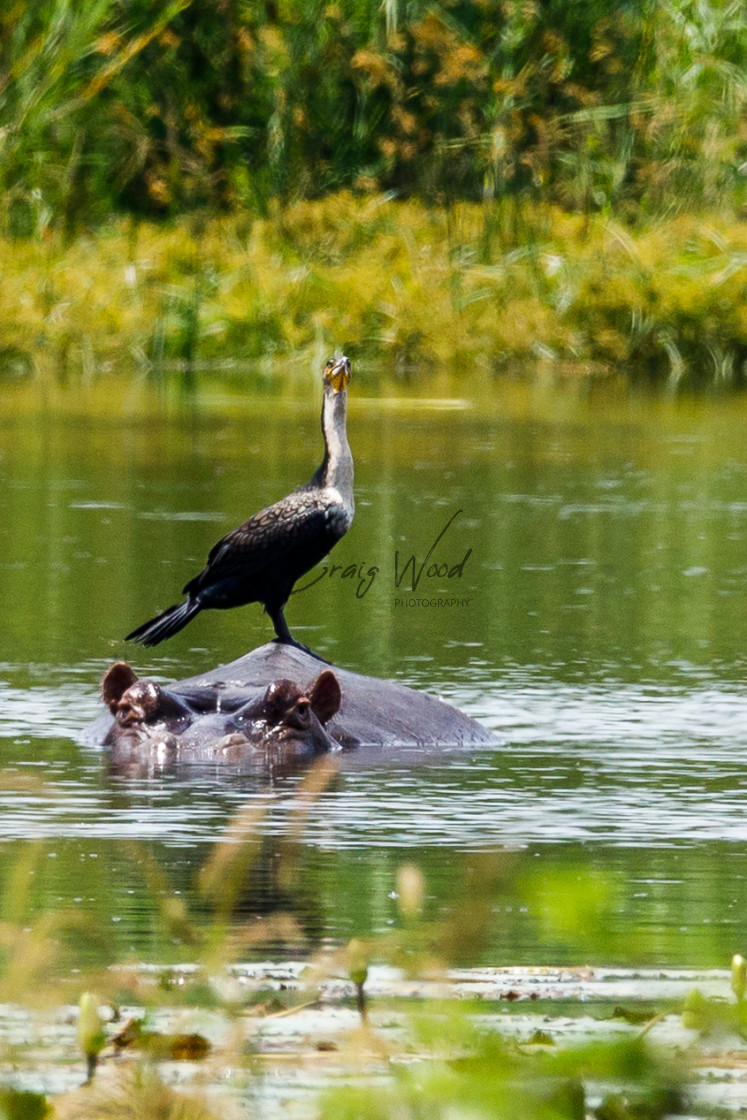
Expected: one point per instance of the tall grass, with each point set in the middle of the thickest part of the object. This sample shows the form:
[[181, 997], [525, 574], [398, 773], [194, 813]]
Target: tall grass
[[401, 287], [556, 152], [135, 108]]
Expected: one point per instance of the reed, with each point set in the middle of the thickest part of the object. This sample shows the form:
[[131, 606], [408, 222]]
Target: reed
[[405, 289], [161, 110]]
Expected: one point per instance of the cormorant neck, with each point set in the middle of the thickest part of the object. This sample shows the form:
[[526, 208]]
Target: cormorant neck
[[337, 466]]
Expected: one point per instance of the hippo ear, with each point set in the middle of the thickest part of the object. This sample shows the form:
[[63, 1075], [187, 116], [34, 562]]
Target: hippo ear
[[325, 695], [116, 682]]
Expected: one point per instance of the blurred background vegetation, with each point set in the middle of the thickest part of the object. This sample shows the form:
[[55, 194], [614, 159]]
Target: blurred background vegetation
[[153, 109], [512, 181]]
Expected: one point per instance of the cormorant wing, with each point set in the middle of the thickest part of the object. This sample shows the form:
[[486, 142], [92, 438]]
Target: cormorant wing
[[301, 519]]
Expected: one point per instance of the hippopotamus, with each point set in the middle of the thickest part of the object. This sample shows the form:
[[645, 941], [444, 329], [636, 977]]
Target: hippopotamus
[[274, 708]]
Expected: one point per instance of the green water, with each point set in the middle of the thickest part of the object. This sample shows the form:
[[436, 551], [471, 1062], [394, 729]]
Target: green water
[[596, 625]]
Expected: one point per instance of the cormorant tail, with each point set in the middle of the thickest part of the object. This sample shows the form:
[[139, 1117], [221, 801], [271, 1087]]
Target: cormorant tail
[[165, 625]]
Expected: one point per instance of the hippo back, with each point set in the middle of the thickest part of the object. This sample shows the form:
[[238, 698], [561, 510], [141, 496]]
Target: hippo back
[[373, 712]]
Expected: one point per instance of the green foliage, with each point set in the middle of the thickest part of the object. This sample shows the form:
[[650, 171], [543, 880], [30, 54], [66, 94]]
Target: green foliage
[[18, 1105], [498, 1081], [446, 1057], [411, 288], [538, 136], [156, 109], [708, 1016]]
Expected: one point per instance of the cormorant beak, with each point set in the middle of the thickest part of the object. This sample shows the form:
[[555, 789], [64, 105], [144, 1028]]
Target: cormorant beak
[[337, 371]]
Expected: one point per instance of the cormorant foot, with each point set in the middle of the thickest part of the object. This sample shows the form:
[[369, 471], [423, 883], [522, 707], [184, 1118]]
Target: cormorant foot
[[301, 646]]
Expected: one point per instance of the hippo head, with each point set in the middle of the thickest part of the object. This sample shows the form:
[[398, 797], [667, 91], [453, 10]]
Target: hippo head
[[288, 721], [280, 727], [141, 707]]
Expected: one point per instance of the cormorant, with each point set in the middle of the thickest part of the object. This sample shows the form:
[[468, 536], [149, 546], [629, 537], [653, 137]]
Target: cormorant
[[261, 560]]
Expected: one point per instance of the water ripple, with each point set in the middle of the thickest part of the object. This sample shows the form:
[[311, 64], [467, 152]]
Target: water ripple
[[622, 764]]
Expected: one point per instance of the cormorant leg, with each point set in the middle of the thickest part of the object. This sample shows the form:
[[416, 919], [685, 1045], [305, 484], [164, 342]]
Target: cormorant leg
[[285, 638]]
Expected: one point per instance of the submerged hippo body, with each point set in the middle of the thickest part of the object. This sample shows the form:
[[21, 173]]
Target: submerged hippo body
[[273, 705]]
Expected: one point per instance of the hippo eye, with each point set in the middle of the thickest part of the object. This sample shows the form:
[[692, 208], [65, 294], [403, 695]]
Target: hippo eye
[[303, 706]]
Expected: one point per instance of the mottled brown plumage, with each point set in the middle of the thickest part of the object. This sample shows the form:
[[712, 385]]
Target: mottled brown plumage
[[260, 561]]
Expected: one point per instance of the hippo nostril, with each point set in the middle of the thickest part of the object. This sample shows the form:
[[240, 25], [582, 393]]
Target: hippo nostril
[[129, 715]]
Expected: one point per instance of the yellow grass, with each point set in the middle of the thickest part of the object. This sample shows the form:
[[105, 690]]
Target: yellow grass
[[394, 283]]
